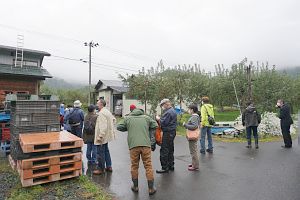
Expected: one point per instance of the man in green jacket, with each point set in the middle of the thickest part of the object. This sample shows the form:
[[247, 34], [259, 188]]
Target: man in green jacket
[[138, 126]]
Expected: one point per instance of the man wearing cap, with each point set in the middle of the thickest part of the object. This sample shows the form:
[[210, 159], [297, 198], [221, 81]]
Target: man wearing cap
[[132, 107], [168, 123], [139, 142], [75, 119]]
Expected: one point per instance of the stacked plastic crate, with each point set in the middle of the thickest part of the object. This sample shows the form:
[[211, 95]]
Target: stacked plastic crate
[[4, 138], [39, 151], [4, 132], [32, 117]]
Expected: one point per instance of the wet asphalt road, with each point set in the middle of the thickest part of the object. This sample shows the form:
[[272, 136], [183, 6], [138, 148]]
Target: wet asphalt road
[[232, 172]]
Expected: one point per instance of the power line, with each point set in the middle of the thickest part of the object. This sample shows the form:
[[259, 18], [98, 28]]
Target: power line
[[80, 42], [94, 63]]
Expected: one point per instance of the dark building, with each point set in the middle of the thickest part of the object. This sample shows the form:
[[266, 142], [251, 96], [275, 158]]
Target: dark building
[[21, 76]]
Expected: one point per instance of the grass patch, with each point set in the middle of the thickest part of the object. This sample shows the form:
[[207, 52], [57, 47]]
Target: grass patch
[[32, 193], [92, 190], [226, 116]]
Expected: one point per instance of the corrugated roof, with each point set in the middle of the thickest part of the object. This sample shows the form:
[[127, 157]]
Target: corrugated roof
[[24, 71], [9, 48], [119, 86], [119, 89], [110, 83]]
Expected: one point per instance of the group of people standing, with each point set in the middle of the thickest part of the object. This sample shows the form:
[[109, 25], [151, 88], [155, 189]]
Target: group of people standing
[[98, 129], [141, 139]]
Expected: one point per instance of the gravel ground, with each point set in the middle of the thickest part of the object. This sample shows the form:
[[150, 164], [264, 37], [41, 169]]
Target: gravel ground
[[8, 181]]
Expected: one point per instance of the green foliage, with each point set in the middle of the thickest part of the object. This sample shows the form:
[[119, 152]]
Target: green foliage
[[66, 95], [189, 83]]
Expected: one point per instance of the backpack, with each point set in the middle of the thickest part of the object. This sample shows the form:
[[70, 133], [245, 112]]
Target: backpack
[[211, 120], [72, 116], [88, 127]]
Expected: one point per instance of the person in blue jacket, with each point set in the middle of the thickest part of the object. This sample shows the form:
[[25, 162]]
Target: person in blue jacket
[[168, 123], [75, 119]]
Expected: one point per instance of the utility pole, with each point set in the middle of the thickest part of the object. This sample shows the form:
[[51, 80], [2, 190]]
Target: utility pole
[[90, 45]]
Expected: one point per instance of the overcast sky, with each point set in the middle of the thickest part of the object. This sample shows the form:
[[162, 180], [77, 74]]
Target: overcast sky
[[136, 33]]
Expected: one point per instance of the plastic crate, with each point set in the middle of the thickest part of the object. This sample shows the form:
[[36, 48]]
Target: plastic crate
[[28, 119], [5, 134], [5, 146], [18, 107], [15, 130]]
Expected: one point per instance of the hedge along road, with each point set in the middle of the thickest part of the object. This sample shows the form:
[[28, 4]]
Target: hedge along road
[[232, 172]]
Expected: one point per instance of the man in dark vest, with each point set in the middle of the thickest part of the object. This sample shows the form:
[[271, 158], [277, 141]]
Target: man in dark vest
[[168, 123]]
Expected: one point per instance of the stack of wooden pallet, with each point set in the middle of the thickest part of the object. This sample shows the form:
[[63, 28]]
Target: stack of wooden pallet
[[39, 151], [51, 156]]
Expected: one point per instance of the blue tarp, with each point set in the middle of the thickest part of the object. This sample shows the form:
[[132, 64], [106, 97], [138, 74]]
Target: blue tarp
[[215, 130], [178, 111], [4, 117]]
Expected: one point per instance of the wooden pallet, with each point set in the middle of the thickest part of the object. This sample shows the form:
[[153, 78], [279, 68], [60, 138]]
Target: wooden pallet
[[51, 178], [48, 170], [38, 142], [50, 160]]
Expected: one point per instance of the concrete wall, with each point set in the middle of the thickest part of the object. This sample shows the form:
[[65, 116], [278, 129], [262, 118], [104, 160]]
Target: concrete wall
[[128, 102], [107, 94]]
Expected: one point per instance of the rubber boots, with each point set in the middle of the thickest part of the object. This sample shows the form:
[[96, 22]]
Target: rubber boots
[[152, 189], [256, 143], [249, 144], [135, 186]]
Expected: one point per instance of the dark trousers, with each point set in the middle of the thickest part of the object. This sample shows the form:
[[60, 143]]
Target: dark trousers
[[167, 150], [286, 135], [76, 130], [250, 130], [103, 156]]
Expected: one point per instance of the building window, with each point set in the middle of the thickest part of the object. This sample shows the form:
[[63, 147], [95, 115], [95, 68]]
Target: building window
[[30, 63]]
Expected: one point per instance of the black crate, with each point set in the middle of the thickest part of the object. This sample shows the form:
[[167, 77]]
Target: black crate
[[29, 119], [18, 107], [15, 130]]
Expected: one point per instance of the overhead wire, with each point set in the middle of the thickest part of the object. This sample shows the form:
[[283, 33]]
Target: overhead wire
[[95, 63], [114, 50]]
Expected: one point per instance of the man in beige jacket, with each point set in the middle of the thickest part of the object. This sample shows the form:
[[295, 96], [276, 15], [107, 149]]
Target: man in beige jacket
[[104, 133]]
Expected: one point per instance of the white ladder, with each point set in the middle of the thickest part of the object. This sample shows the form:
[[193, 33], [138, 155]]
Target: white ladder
[[19, 51]]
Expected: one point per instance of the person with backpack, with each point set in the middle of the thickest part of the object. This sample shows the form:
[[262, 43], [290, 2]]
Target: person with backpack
[[75, 119], [193, 124], [207, 121], [251, 119], [140, 127], [88, 135], [67, 126]]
